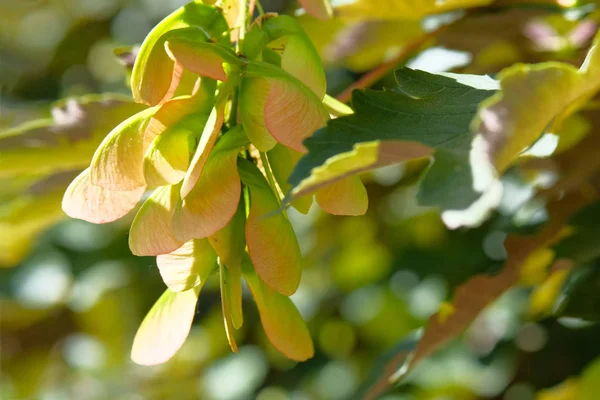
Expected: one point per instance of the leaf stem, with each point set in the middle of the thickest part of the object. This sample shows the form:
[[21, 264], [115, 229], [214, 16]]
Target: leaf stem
[[270, 177], [242, 21]]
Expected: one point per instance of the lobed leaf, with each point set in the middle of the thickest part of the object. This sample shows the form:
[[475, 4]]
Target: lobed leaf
[[392, 127], [165, 328], [533, 99]]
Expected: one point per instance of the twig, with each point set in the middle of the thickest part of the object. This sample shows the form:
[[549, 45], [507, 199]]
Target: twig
[[375, 75]]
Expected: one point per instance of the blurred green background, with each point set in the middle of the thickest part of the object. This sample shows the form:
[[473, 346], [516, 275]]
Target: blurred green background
[[70, 309]]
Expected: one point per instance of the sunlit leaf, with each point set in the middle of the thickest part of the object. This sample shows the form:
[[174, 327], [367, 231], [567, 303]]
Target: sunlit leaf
[[165, 328], [391, 127], [280, 319], [92, 203], [188, 266], [190, 50], [283, 160], [479, 292], [274, 107], [532, 98], [226, 306], [151, 231], [347, 196], [403, 9], [68, 140], [155, 76], [298, 57], [209, 134], [320, 9], [118, 161], [213, 201], [270, 238], [28, 211], [171, 133]]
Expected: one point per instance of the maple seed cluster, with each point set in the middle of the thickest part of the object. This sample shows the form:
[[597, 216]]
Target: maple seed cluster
[[213, 206]]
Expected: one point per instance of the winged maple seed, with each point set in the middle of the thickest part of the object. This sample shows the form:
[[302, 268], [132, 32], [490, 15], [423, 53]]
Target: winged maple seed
[[211, 209]]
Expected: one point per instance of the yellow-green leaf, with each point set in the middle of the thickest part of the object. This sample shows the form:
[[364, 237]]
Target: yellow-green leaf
[[118, 162], [276, 107], [347, 196], [299, 58], [226, 305], [165, 328], [188, 266], [283, 160], [155, 76], [92, 203], [213, 201], [271, 241], [403, 9], [66, 141], [280, 319], [151, 231]]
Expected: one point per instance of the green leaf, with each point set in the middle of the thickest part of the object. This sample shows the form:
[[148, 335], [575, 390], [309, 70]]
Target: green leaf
[[165, 328], [583, 245], [580, 294], [68, 140], [391, 127], [155, 76]]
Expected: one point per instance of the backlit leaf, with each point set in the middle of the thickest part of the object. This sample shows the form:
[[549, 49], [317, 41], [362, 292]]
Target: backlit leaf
[[320, 9], [151, 231], [271, 241], [66, 141], [280, 319], [95, 204], [213, 201], [391, 127], [188, 266], [155, 76], [118, 162], [165, 328], [276, 107], [403, 9]]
